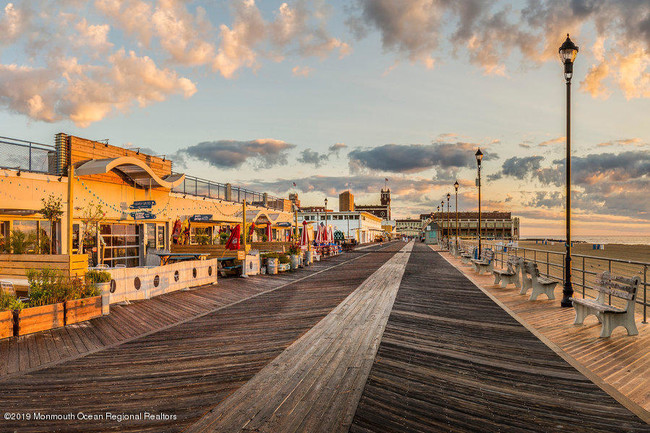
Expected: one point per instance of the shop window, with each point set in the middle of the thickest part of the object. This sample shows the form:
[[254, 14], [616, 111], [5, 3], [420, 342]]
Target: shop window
[[161, 237], [151, 236]]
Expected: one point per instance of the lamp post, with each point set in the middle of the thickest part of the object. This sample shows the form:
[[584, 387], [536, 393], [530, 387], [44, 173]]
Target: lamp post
[[568, 51], [479, 158], [448, 223], [440, 224], [456, 185], [325, 213], [442, 221]]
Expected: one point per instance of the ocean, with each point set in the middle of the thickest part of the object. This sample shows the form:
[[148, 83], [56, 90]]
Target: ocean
[[626, 240]]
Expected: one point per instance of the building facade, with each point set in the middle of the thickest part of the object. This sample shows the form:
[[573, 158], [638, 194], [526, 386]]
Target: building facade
[[382, 210], [363, 227], [117, 203], [346, 202], [408, 227], [494, 225]]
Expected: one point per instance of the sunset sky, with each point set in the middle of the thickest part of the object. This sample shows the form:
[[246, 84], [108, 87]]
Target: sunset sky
[[342, 94]]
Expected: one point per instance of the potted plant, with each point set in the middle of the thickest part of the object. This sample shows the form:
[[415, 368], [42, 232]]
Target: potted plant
[[294, 256], [48, 289], [8, 306], [284, 263], [101, 280]]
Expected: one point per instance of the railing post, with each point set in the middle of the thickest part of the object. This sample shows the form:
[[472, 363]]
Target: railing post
[[645, 293], [548, 264], [30, 156], [584, 284]]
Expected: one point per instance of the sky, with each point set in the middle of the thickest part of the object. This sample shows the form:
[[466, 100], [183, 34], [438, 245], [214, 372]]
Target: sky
[[342, 95]]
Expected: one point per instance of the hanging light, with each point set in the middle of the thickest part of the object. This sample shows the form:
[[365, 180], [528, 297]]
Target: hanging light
[[568, 52]]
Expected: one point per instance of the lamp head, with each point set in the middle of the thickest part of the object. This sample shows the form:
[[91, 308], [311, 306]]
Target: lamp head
[[448, 195], [568, 52], [479, 156], [456, 185]]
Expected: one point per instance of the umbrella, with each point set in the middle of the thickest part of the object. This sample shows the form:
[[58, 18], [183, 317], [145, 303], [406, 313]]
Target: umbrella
[[320, 235], [268, 232], [304, 238], [233, 240], [330, 235]]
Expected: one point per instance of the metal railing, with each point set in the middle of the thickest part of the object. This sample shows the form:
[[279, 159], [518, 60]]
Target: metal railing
[[207, 188], [584, 269], [27, 156]]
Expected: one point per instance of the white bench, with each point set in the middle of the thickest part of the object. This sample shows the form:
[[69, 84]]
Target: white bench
[[468, 255], [509, 274], [609, 316], [485, 263], [539, 284]]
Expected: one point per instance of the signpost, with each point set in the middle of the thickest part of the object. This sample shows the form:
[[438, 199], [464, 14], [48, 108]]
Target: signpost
[[143, 204], [142, 215], [201, 218]]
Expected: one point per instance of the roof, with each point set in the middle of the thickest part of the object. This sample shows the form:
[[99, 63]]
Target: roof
[[134, 169]]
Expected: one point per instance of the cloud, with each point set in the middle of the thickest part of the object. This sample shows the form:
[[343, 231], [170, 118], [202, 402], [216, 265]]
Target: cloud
[[309, 156], [623, 142], [491, 32], [88, 93], [552, 141], [519, 168], [336, 148], [263, 153], [302, 71], [410, 158]]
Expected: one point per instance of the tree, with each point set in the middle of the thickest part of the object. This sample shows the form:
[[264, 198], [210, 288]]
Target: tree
[[91, 215], [52, 211]]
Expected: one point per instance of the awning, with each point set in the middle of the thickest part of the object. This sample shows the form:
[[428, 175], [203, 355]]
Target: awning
[[133, 169]]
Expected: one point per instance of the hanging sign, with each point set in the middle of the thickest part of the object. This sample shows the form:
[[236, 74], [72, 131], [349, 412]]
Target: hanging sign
[[284, 224], [201, 218], [142, 215], [143, 204]]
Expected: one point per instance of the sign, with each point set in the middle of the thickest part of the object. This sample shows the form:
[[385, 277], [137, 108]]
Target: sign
[[143, 215], [143, 204], [284, 224], [201, 218]]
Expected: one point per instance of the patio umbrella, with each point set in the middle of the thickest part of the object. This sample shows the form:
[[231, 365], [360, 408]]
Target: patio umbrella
[[330, 235], [320, 236], [268, 232], [304, 238], [233, 240]]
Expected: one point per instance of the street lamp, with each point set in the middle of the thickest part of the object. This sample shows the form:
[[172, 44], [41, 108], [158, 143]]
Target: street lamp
[[479, 158], [456, 185], [568, 52], [325, 213], [442, 221], [440, 224], [448, 224]]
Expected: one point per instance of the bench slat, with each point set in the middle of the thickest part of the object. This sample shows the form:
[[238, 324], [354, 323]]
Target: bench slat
[[591, 303]]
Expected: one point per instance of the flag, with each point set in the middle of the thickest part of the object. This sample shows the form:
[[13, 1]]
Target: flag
[[250, 231], [294, 184], [233, 240]]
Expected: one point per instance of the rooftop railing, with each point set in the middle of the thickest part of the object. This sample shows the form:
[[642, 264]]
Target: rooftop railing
[[27, 156]]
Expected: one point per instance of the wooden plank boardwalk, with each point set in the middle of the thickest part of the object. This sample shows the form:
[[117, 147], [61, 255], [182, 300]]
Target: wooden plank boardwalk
[[452, 360], [316, 383], [621, 361], [182, 368]]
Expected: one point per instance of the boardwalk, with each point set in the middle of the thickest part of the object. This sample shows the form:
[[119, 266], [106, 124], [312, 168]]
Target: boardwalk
[[389, 338], [452, 360]]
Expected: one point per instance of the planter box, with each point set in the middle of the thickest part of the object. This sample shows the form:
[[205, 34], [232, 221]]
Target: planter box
[[36, 319], [282, 267], [81, 310], [6, 324]]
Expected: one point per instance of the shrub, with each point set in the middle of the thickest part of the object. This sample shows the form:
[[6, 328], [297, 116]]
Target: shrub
[[294, 249], [223, 238], [20, 242], [50, 286], [270, 255], [96, 277], [6, 300], [284, 258]]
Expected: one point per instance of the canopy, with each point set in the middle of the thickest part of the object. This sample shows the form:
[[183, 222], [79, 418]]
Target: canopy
[[133, 169], [330, 235]]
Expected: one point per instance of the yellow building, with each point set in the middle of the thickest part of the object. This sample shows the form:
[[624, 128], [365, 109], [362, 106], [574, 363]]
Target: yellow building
[[118, 203]]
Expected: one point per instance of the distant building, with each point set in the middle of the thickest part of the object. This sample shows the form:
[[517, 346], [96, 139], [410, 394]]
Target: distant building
[[293, 197], [314, 209], [495, 225], [361, 226], [382, 210], [346, 202], [408, 227]]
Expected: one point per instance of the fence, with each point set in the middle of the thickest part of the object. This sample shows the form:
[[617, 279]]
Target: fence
[[584, 269], [207, 188], [27, 155]]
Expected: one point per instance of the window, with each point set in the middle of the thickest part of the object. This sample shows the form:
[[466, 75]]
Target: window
[[122, 244], [161, 237], [151, 235]]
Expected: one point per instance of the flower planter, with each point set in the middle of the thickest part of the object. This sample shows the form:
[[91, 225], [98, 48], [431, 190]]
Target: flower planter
[[6, 324], [42, 318], [309, 257], [80, 310], [283, 267]]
